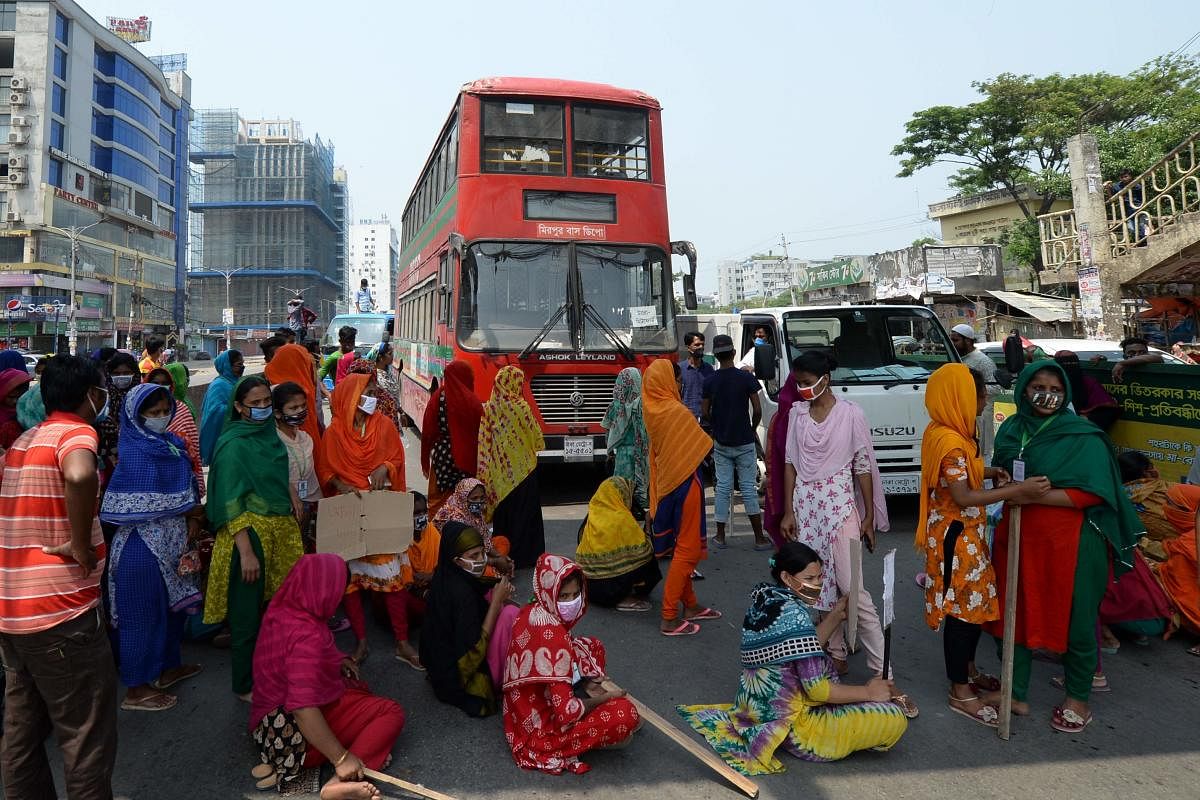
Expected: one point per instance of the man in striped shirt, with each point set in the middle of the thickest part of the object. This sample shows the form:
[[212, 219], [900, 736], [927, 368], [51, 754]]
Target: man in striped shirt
[[57, 659]]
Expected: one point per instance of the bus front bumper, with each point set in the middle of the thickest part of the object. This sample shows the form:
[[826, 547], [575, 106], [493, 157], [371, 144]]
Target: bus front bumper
[[586, 449]]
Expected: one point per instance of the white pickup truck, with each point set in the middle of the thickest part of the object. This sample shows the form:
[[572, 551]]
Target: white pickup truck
[[885, 355]]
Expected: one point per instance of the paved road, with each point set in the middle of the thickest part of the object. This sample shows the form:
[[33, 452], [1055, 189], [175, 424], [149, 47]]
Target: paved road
[[1144, 743]]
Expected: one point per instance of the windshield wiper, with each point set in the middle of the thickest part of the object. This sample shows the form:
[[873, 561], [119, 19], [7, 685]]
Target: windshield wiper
[[544, 332], [591, 313]]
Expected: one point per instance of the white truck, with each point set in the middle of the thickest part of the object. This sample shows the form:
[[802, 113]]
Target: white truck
[[885, 355]]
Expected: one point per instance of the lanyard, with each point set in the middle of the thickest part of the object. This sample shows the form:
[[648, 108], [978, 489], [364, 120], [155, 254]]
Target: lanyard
[[1027, 437]]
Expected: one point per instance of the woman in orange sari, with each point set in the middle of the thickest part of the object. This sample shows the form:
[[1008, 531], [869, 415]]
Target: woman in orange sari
[[293, 363], [361, 451], [678, 446]]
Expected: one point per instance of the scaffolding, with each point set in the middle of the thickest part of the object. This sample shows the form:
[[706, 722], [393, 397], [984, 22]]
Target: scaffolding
[[265, 203]]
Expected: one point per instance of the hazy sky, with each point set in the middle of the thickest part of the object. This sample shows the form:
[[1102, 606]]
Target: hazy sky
[[778, 117]]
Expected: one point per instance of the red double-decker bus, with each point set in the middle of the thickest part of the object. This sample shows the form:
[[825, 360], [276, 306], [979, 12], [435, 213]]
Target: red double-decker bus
[[537, 236]]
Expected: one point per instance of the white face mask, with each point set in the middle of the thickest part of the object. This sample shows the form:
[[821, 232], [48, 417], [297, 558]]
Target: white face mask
[[122, 381], [156, 424], [367, 404], [570, 610], [475, 568]]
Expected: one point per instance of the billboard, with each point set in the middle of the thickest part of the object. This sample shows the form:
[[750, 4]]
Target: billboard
[[131, 30]]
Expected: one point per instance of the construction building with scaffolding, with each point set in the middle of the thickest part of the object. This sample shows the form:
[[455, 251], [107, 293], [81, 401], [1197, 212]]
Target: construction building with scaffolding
[[265, 225]]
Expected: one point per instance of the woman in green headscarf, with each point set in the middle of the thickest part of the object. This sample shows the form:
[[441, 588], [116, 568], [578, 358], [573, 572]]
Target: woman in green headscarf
[[250, 507], [180, 380], [1070, 538]]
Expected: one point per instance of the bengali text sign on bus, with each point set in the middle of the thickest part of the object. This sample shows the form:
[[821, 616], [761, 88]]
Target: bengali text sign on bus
[[570, 230]]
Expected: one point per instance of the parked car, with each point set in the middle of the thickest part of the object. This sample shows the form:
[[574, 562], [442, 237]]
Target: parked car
[[1086, 349], [201, 355]]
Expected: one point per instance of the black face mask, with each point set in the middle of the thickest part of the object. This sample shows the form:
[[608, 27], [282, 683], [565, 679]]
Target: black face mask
[[296, 420]]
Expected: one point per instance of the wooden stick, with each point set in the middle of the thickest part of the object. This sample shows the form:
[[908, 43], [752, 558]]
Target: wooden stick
[[887, 652], [411, 788], [855, 589], [1010, 622], [744, 784]]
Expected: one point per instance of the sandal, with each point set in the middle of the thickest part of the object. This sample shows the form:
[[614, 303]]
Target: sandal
[[1064, 720], [685, 629], [1194, 650], [704, 613], [906, 705], [984, 715], [1099, 683], [633, 605], [984, 682], [151, 702], [720, 544], [186, 671], [764, 546]]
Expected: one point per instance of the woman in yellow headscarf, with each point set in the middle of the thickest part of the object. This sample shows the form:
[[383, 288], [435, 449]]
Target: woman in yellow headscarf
[[614, 552], [509, 441], [960, 587], [678, 446]]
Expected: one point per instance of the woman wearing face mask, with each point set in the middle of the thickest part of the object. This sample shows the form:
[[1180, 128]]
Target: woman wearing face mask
[[468, 505], [960, 590], [293, 364], [789, 694], [229, 366], [122, 375], [250, 507], [182, 424], [361, 451], [291, 412], [460, 624], [557, 704], [377, 363], [837, 498], [1069, 536], [153, 501]]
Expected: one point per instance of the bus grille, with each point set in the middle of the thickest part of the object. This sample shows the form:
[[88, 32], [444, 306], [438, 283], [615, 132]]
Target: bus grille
[[573, 399]]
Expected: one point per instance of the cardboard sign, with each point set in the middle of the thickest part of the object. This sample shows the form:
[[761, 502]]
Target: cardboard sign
[[375, 524], [889, 588]]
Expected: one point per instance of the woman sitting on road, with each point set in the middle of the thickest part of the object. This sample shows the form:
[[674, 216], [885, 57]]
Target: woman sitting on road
[[614, 552], [468, 505], [789, 694], [463, 631], [557, 704], [309, 705]]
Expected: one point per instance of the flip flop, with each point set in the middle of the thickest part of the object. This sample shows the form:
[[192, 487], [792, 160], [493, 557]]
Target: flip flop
[[151, 702], [1060, 682], [192, 671], [697, 575], [417, 665], [720, 544], [1194, 650], [705, 613], [762, 547], [636, 605], [1064, 720], [685, 629]]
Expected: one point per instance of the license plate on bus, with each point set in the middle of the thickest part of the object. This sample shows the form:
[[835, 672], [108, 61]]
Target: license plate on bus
[[577, 448], [901, 484]]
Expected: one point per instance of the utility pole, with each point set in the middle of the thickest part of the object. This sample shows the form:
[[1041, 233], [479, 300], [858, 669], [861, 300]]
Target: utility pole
[[72, 233], [1095, 248], [227, 312], [788, 262]]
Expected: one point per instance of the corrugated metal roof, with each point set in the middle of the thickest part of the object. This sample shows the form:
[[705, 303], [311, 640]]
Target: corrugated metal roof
[[1042, 307]]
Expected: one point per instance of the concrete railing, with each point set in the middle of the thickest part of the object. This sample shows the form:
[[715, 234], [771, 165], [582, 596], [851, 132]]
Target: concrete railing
[[1152, 202]]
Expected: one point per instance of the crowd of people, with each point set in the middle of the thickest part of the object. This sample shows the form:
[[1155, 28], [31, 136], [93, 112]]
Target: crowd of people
[[118, 543]]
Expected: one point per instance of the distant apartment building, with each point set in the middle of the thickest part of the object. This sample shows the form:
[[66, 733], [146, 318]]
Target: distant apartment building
[[374, 255], [265, 199], [759, 277], [93, 147]]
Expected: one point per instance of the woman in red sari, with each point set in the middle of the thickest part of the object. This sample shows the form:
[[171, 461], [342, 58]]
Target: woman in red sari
[[450, 433], [557, 701]]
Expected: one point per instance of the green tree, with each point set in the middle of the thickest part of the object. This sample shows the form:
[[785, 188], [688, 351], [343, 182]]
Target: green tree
[[924, 240], [1016, 135]]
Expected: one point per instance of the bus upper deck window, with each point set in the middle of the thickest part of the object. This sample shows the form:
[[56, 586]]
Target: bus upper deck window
[[523, 137], [610, 142]]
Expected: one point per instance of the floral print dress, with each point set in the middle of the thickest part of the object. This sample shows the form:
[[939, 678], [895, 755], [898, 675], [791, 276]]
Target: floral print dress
[[965, 588], [821, 509]]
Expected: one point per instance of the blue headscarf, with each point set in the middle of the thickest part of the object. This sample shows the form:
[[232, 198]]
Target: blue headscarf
[[778, 628], [216, 405], [11, 359], [153, 478]]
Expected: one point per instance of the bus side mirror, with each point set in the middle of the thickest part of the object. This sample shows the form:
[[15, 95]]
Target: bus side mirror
[[689, 292], [764, 362]]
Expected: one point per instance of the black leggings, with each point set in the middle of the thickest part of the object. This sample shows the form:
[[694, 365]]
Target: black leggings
[[960, 639]]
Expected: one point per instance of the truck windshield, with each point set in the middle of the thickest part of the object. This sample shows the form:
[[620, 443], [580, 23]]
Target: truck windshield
[[557, 296], [871, 345]]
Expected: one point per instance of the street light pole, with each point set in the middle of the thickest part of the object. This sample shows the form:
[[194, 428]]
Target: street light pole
[[72, 233], [228, 273]]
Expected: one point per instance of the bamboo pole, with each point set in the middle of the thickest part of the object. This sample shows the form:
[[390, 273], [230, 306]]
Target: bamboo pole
[[411, 788], [1010, 622]]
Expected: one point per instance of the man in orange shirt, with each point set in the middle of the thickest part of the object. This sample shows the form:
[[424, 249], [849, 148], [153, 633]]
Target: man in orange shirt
[[152, 357], [57, 659]]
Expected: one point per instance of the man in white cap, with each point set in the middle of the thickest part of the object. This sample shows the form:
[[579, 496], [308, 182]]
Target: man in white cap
[[963, 339]]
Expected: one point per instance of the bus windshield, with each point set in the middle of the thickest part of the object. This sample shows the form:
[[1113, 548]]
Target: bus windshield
[[556, 296], [871, 345]]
